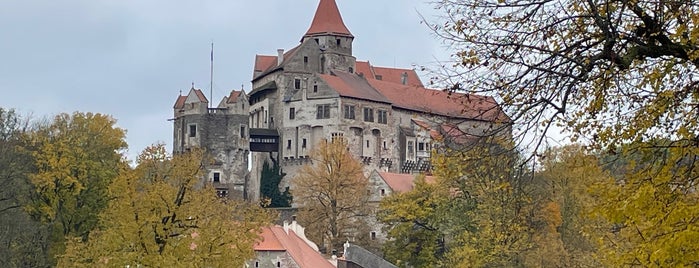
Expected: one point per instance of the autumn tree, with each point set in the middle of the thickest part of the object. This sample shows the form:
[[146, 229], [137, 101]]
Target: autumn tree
[[76, 157], [652, 208], [331, 194], [590, 67], [567, 227], [422, 223], [622, 76], [161, 215]]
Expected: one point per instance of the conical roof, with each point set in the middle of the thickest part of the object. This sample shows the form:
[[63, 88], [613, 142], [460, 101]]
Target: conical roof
[[328, 20]]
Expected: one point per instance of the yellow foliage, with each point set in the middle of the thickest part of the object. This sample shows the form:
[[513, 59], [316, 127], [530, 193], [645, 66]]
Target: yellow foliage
[[160, 215]]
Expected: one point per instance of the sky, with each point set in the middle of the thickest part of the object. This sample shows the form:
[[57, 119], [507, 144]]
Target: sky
[[131, 58]]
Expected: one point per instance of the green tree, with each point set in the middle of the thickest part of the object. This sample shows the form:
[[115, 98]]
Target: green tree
[[421, 222], [76, 157], [23, 241], [493, 176], [331, 194], [160, 215], [269, 186]]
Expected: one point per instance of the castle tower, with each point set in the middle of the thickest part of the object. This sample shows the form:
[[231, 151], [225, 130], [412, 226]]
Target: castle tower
[[222, 132], [328, 30]]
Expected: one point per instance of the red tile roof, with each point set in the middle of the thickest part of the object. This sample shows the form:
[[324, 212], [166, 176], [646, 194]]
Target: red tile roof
[[267, 64], [401, 183], [264, 62], [439, 102], [233, 98], [275, 238], [328, 20], [201, 96], [422, 124], [269, 241], [179, 103], [394, 75], [353, 86]]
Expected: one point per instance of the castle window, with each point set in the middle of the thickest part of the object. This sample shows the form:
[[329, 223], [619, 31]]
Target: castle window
[[349, 111], [317, 41], [305, 59], [411, 153], [383, 116], [288, 144], [279, 264], [303, 145], [297, 83], [323, 111], [242, 131], [338, 41], [383, 192], [217, 177], [337, 136], [351, 70], [420, 146], [368, 115], [315, 88], [373, 235], [384, 146], [257, 264], [192, 131], [292, 113]]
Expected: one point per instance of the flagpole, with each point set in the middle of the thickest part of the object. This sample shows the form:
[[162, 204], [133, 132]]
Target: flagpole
[[211, 86]]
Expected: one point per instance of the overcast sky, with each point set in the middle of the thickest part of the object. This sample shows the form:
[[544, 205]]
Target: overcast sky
[[131, 58]]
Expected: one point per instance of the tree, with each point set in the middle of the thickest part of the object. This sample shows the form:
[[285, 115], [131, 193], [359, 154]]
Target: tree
[[76, 157], [269, 186], [590, 67], [567, 226], [620, 74], [23, 241], [492, 176], [652, 208], [331, 194], [420, 222], [160, 214]]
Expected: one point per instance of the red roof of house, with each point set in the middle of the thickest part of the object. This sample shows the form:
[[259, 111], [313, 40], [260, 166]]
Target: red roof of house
[[269, 241], [233, 98], [275, 238], [401, 183], [264, 62], [179, 103], [201, 96], [328, 20], [353, 86], [439, 102], [267, 64], [394, 75]]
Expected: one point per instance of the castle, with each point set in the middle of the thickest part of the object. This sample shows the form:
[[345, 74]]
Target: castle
[[317, 91]]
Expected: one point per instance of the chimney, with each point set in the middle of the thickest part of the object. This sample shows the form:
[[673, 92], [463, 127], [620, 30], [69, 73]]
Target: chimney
[[280, 56], [404, 78]]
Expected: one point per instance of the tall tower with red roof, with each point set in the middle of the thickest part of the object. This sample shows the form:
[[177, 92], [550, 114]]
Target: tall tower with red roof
[[330, 33]]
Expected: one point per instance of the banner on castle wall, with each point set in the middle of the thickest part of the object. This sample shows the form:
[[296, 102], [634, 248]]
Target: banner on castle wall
[[264, 140]]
